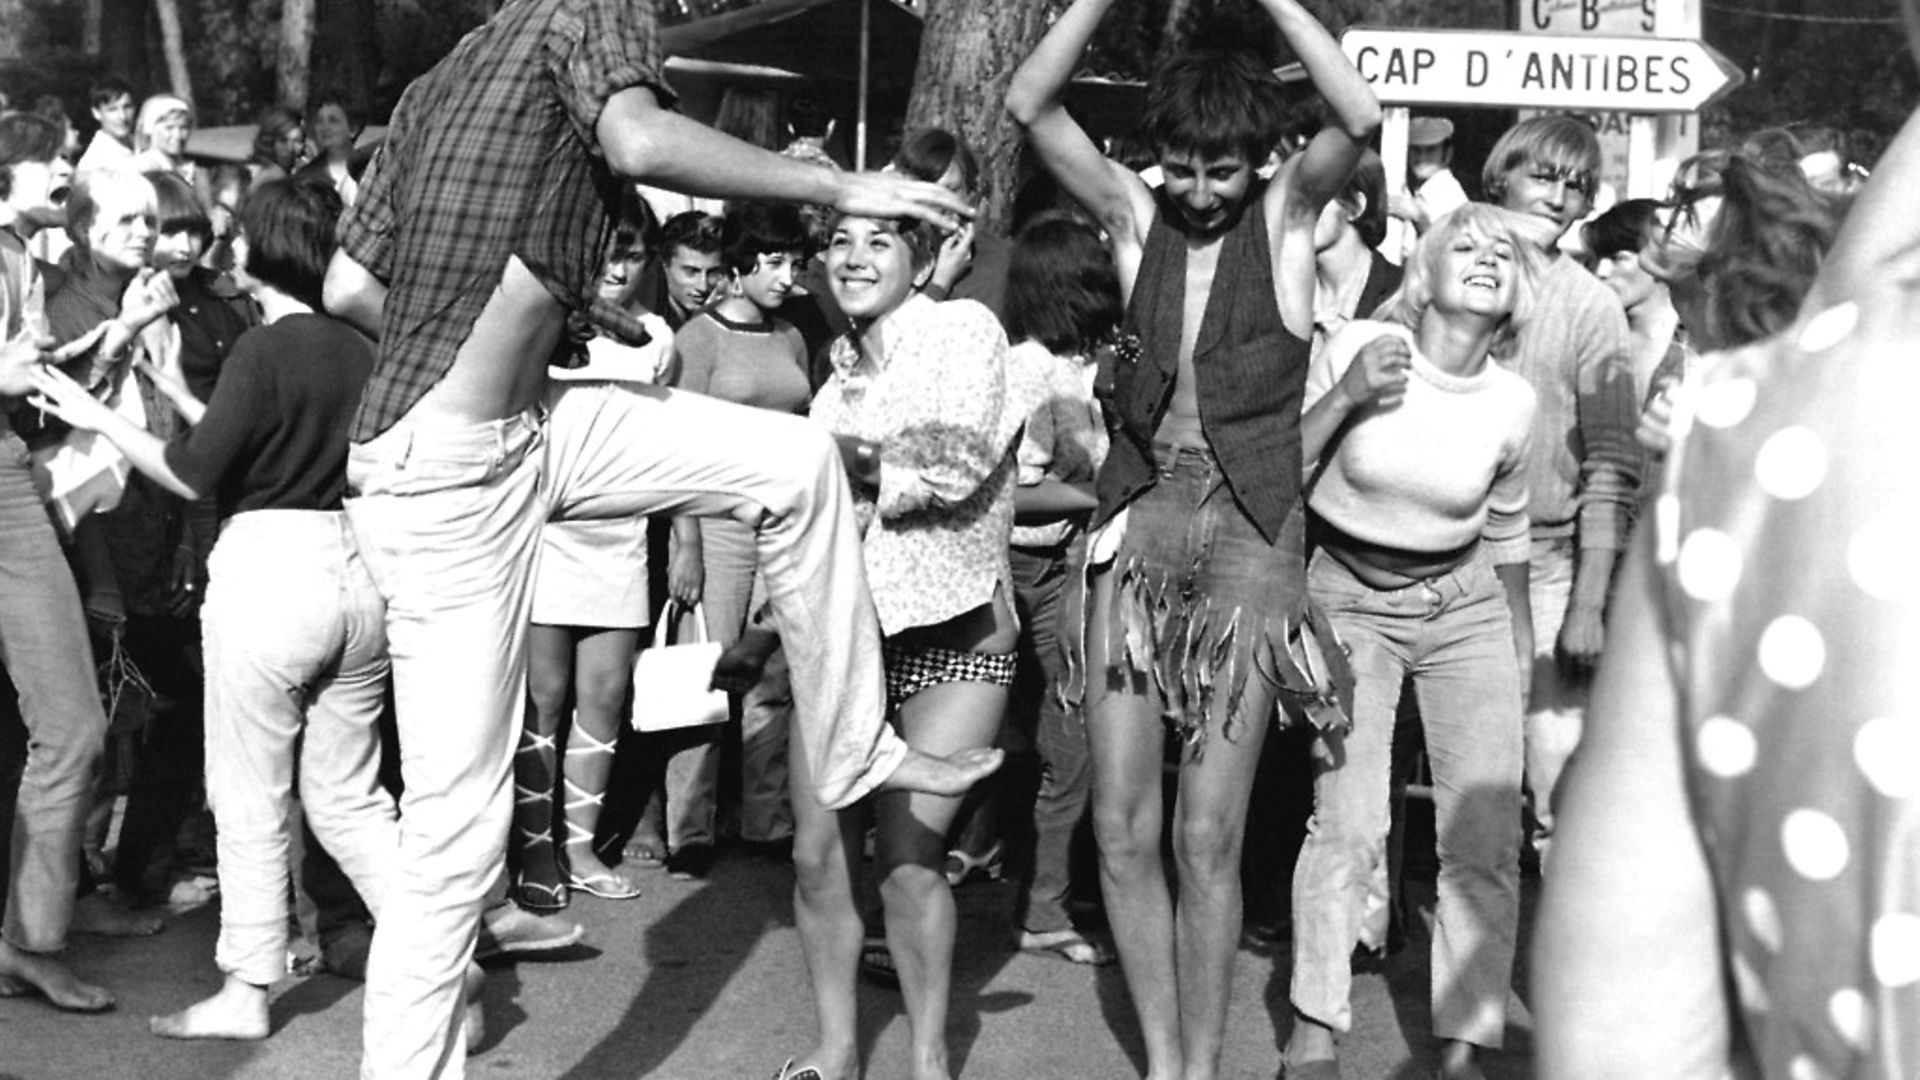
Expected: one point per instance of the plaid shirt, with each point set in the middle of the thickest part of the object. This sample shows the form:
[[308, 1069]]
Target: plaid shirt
[[492, 154]]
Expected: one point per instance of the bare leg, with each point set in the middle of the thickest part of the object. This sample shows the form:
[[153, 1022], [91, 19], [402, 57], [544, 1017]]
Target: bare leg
[[24, 972], [825, 852], [550, 663], [603, 675], [1210, 818], [920, 916], [238, 1010], [102, 915], [1125, 738]]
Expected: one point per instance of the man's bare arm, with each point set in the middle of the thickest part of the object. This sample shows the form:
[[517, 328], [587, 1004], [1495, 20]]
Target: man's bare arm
[[1116, 198], [658, 146], [1353, 110], [354, 294]]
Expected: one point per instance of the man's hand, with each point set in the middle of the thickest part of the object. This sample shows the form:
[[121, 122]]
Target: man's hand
[[889, 195], [1378, 373], [1581, 637], [19, 359]]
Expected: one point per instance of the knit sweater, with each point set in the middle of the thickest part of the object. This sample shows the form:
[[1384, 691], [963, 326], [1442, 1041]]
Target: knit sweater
[[1583, 474], [760, 364], [1443, 467]]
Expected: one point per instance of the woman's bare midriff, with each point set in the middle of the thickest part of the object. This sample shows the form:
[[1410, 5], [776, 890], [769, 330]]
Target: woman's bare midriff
[[1386, 568]]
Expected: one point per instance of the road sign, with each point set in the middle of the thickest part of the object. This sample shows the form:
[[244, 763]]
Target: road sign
[[1538, 71]]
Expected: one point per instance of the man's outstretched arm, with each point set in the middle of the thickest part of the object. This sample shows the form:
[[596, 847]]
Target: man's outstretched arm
[[1353, 110], [645, 142]]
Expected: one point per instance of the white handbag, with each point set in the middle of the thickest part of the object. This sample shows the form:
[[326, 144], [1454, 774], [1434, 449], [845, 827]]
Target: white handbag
[[673, 683]]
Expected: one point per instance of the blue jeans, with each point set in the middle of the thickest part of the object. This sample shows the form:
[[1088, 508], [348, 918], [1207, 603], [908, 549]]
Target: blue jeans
[[296, 654], [43, 642], [1041, 580], [1453, 634]]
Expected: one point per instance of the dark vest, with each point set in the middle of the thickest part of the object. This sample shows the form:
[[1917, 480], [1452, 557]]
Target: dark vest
[[1250, 372]]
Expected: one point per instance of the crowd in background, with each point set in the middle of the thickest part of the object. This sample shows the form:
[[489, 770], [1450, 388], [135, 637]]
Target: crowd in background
[[1411, 581]]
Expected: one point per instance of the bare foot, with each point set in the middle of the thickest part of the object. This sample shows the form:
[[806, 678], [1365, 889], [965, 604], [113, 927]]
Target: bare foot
[[943, 776], [98, 913], [739, 668], [26, 973], [238, 1010]]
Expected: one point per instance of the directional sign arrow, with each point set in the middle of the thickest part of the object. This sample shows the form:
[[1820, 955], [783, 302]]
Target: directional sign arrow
[[1539, 71]]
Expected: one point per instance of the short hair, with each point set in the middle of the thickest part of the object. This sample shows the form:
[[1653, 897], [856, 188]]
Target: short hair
[[274, 122], [1062, 289], [1368, 185], [635, 227], [346, 108], [152, 111], [928, 153], [1214, 103], [757, 227], [83, 205], [1559, 141], [288, 225], [107, 91], [1409, 305], [178, 206], [1626, 226], [922, 239], [695, 230], [26, 137]]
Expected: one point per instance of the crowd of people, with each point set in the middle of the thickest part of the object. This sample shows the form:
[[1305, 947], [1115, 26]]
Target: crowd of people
[[339, 491]]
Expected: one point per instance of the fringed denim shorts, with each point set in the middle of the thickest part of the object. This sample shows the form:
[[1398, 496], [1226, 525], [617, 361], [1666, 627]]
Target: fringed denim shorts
[[1201, 600]]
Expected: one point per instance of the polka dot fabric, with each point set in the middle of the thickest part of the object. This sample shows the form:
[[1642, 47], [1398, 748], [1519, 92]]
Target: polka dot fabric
[[1790, 551]]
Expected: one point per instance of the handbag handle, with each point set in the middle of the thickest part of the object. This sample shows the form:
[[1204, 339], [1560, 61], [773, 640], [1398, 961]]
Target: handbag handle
[[668, 618]]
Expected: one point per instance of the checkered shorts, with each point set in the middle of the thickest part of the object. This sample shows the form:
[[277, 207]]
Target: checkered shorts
[[911, 670]]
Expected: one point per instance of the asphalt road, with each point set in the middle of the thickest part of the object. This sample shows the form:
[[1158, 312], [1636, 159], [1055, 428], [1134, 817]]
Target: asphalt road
[[700, 980]]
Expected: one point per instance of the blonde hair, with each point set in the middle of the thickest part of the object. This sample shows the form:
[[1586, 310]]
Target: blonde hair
[[152, 111], [1527, 236]]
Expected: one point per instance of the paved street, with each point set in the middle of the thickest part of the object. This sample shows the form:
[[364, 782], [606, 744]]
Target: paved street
[[702, 980]]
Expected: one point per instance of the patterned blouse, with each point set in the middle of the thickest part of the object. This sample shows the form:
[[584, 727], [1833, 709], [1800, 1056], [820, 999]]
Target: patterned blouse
[[1065, 436], [936, 400], [1784, 536]]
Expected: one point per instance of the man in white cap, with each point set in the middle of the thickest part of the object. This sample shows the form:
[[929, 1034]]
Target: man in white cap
[[1432, 192]]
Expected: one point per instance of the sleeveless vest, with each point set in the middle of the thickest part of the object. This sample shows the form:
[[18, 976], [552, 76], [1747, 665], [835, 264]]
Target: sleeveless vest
[[1250, 373]]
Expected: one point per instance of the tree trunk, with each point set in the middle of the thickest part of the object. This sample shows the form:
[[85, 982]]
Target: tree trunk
[[172, 43], [347, 51], [13, 19], [293, 65], [968, 52]]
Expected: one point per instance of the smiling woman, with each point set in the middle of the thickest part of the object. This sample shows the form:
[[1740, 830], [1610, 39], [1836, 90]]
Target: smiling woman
[[1419, 506]]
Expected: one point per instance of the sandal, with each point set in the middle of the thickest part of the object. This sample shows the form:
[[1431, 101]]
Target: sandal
[[876, 963], [541, 897], [788, 1072], [962, 868], [1070, 946], [605, 884]]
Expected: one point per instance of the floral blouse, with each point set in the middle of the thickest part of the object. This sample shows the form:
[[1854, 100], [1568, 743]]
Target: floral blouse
[[937, 401], [1784, 534]]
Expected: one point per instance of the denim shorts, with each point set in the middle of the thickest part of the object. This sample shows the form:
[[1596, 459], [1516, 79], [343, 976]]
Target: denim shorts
[[1201, 599]]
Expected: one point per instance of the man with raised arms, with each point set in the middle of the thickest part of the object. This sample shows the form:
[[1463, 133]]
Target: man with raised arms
[[1189, 622]]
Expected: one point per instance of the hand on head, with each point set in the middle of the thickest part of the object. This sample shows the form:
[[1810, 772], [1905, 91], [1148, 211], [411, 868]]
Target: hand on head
[[890, 195]]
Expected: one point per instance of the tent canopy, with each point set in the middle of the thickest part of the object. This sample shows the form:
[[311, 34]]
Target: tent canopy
[[816, 38]]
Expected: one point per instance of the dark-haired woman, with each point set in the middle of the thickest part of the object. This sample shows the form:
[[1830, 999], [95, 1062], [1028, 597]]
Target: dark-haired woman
[[290, 604], [1063, 305], [279, 145]]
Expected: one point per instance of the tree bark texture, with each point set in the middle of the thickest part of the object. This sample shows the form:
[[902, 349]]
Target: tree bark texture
[[294, 60], [173, 44], [968, 52]]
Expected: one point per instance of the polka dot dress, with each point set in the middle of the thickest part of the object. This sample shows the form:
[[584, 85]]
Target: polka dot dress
[[1789, 550]]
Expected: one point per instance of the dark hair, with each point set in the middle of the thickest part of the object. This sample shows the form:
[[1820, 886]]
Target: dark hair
[[757, 227], [179, 206], [274, 122], [288, 226], [1626, 226], [1367, 188], [1764, 247], [26, 137], [346, 109], [1558, 141], [1062, 290], [51, 107], [107, 91], [635, 228], [751, 115], [695, 230], [1214, 103], [927, 154]]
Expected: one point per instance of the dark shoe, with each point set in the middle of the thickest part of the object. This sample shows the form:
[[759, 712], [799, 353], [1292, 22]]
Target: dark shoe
[[876, 964], [690, 863], [509, 930]]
